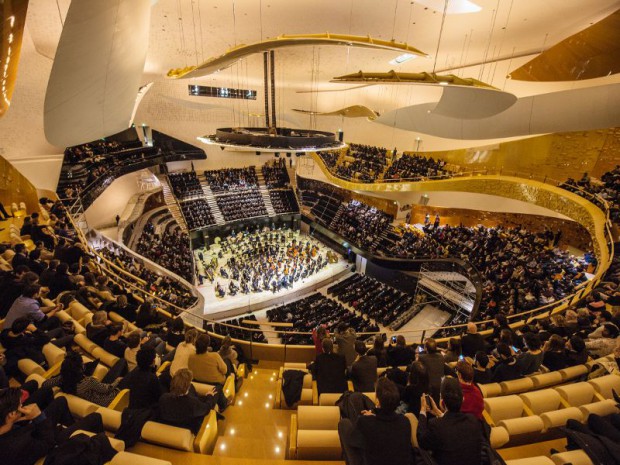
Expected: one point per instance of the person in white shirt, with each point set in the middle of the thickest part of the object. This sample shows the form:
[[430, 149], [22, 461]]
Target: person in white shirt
[[183, 351]]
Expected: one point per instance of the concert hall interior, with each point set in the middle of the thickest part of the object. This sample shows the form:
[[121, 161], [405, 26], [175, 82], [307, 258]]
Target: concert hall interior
[[309, 232]]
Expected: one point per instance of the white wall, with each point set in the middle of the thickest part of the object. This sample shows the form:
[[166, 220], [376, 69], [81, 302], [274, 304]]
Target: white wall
[[113, 201]]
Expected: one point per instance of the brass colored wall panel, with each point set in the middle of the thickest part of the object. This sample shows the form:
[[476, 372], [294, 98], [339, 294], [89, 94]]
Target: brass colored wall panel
[[557, 156], [12, 21], [14, 187]]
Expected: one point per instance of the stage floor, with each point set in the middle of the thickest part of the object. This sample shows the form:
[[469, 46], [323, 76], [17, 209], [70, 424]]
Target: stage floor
[[229, 306]]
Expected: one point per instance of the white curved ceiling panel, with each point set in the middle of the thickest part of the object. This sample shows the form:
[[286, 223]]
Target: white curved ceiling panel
[[97, 70], [570, 110], [472, 102]]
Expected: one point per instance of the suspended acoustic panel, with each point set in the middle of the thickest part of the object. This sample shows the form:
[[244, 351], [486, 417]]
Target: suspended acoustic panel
[[393, 77], [472, 102], [213, 65], [354, 111], [11, 32], [96, 74], [591, 53], [461, 98], [569, 110]]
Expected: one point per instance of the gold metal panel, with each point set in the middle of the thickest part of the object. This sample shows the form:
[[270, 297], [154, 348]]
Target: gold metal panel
[[15, 188], [412, 78], [354, 111], [288, 40], [11, 32], [591, 53]]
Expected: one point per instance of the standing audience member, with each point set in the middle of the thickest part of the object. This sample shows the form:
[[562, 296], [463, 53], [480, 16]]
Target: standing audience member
[[380, 436], [329, 370], [453, 437], [435, 365], [472, 396], [472, 342], [400, 355], [363, 370], [345, 342]]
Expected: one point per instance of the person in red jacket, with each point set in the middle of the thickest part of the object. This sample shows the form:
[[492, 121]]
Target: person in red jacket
[[472, 396]]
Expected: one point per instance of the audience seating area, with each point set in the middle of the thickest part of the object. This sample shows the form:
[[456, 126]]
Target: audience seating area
[[308, 313], [185, 185], [232, 179], [197, 214], [241, 205]]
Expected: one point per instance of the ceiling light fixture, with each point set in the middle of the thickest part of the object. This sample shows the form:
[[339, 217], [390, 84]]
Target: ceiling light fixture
[[455, 7], [402, 58]]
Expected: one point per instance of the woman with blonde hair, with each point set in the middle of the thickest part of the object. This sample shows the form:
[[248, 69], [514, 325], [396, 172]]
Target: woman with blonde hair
[[183, 351], [182, 407]]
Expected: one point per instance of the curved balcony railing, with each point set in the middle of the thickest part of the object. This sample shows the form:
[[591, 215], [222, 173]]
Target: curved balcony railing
[[288, 352]]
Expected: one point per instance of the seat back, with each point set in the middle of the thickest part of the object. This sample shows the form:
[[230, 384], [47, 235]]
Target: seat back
[[546, 379], [106, 357], [503, 408], [490, 389], [310, 417], [516, 386], [573, 372], [605, 384], [576, 394], [168, 436], [541, 401], [53, 354]]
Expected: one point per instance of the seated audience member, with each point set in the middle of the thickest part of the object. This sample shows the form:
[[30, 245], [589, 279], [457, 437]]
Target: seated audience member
[[27, 305], [482, 372], [452, 437], [554, 350], [12, 285], [183, 351], [98, 329], [115, 343], [472, 396], [182, 406], [143, 384], [506, 368], [229, 354], [73, 380], [345, 342], [417, 385], [576, 351], [530, 360], [133, 347], [28, 434], [472, 342], [380, 436], [123, 308], [329, 370], [378, 350], [61, 281], [604, 345], [147, 318], [453, 352], [400, 355], [435, 365], [176, 332], [208, 367], [363, 370], [23, 340]]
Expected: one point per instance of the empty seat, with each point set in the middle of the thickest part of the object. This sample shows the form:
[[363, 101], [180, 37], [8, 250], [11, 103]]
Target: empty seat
[[573, 457], [516, 386], [583, 396], [546, 379], [508, 411], [547, 403], [605, 384], [490, 390], [573, 372], [314, 433], [542, 460]]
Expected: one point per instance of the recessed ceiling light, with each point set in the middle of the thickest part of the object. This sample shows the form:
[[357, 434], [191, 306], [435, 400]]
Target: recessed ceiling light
[[402, 58], [455, 7]]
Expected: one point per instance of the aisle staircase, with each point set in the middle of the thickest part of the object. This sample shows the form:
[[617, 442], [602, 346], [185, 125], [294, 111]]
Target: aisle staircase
[[172, 203], [210, 198], [264, 192]]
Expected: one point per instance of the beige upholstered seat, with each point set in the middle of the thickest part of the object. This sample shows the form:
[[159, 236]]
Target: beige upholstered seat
[[490, 390], [331, 398], [314, 433], [516, 386], [111, 419], [78, 406], [105, 357], [53, 354], [547, 403], [583, 396], [573, 457], [573, 372], [84, 342], [508, 411], [414, 428], [542, 460], [127, 458], [546, 379], [306, 391], [499, 437], [168, 436], [605, 384]]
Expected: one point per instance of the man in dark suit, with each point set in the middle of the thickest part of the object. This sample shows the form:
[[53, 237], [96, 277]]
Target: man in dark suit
[[364, 369], [452, 437], [330, 369], [472, 342], [380, 436]]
